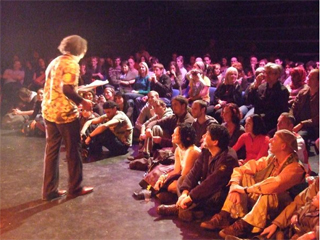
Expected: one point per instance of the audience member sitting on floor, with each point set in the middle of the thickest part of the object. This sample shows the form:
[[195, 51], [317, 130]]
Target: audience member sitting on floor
[[231, 120], [114, 131], [161, 111], [259, 189], [35, 126], [147, 111], [185, 155], [305, 109], [125, 105], [204, 189], [202, 121], [227, 92], [199, 83], [90, 95], [255, 139], [270, 98], [161, 130], [24, 107], [297, 215], [287, 121]]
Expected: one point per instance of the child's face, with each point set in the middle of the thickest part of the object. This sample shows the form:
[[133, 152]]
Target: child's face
[[315, 201]]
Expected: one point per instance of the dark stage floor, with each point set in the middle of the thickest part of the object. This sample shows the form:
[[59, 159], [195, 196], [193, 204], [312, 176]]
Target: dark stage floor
[[110, 212]]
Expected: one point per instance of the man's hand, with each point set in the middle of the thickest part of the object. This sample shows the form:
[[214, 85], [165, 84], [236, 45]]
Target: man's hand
[[87, 141], [294, 219], [148, 133], [186, 202], [269, 230], [86, 104]]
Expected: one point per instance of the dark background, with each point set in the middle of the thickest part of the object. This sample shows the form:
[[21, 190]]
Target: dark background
[[265, 28]]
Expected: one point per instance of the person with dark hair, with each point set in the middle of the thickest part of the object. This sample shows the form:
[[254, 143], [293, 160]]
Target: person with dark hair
[[127, 76], [113, 131], [270, 98], [231, 120], [125, 105], [259, 189], [95, 72], [298, 78], [185, 155], [161, 130], [175, 75], [60, 111], [204, 189], [161, 83], [114, 72], [255, 139], [305, 109], [202, 121]]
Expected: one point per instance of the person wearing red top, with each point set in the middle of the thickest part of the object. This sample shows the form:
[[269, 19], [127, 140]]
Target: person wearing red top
[[255, 139]]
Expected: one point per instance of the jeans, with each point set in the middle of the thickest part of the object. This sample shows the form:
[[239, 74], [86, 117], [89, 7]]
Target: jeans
[[70, 134], [110, 141]]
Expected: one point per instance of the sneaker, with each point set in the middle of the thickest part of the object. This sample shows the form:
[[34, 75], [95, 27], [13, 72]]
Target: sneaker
[[218, 221], [141, 164], [239, 228], [168, 210], [140, 155]]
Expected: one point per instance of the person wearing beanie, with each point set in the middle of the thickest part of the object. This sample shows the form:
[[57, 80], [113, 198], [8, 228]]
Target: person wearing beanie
[[260, 189]]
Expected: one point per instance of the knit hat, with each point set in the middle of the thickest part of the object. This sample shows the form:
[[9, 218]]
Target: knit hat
[[289, 138]]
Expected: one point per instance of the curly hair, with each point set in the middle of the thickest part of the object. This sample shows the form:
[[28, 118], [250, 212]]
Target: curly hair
[[187, 135], [74, 45]]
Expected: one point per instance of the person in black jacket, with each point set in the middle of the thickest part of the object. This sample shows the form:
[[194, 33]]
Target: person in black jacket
[[204, 188], [269, 98]]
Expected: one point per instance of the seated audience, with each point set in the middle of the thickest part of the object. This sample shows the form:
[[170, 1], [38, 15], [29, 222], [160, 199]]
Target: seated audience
[[298, 78], [113, 132], [161, 83], [125, 105], [228, 91], [199, 83], [205, 187], [202, 121], [127, 76], [161, 130], [255, 139], [35, 126], [297, 215], [175, 76], [231, 120], [305, 109], [259, 189], [269, 99], [185, 155]]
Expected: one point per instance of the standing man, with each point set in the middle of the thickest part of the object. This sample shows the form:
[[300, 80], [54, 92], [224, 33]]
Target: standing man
[[60, 111]]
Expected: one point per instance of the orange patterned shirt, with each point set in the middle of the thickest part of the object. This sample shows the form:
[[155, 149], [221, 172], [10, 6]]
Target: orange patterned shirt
[[57, 107]]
